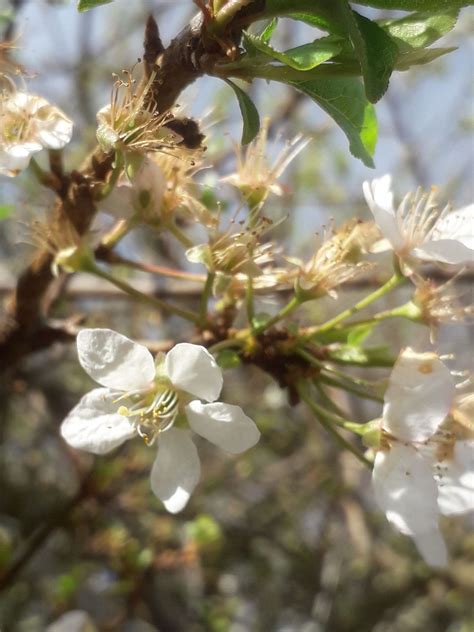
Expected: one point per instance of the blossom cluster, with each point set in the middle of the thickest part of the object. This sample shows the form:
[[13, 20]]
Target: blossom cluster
[[421, 447]]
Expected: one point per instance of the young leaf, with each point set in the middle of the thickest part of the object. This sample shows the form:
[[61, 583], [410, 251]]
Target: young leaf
[[421, 29], [303, 57], [85, 5], [249, 113], [344, 100], [319, 14], [433, 6], [418, 56], [373, 47]]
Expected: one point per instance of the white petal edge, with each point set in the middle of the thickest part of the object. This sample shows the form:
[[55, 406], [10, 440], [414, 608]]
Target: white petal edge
[[379, 197], [94, 424], [449, 251], [176, 470], [405, 490], [455, 479], [432, 548], [114, 360], [419, 396], [225, 425], [193, 369]]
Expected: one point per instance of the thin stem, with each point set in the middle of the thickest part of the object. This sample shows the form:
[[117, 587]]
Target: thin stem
[[159, 270], [144, 298], [107, 189], [180, 236], [283, 313], [117, 233], [249, 300], [357, 381], [206, 293], [330, 381], [390, 285], [327, 419], [225, 344], [46, 178]]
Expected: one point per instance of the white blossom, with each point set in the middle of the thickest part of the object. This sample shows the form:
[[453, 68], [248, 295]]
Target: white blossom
[[146, 397], [421, 470], [28, 124], [418, 229]]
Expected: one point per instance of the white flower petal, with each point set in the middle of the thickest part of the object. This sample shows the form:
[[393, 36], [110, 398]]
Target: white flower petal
[[176, 470], [114, 360], [457, 225], [193, 369], [405, 490], [94, 424], [433, 549], [418, 397], [56, 131], [449, 251], [379, 197], [455, 478], [224, 425]]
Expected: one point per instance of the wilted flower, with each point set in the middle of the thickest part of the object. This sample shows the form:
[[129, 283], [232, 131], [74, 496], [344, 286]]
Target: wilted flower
[[182, 193], [439, 303], [236, 253], [255, 178], [421, 470], [419, 229], [131, 121], [28, 124], [71, 252], [334, 262], [146, 397]]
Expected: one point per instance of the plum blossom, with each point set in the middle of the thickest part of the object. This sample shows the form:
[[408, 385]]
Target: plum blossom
[[421, 470], [418, 229], [255, 177], [143, 396], [29, 124]]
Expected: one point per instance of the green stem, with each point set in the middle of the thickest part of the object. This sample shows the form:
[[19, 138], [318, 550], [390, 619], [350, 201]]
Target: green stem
[[46, 178], [249, 298], [330, 381], [117, 233], [225, 344], [391, 284], [407, 310], [327, 419], [206, 293], [342, 377], [180, 236], [283, 313], [143, 298], [107, 189]]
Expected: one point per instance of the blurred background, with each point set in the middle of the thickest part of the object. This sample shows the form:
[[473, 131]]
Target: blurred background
[[286, 537]]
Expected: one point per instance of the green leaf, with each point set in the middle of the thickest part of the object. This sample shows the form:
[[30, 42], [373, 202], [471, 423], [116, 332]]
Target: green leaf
[[344, 100], [358, 334], [228, 359], [267, 32], [370, 356], [319, 14], [418, 56], [433, 6], [373, 48], [421, 29], [249, 113], [85, 5], [303, 57], [5, 211]]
